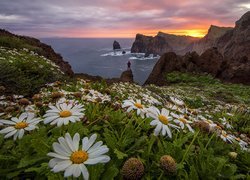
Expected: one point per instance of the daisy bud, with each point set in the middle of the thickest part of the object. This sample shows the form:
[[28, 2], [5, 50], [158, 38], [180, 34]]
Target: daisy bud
[[168, 164], [24, 102], [132, 169], [232, 155], [56, 95]]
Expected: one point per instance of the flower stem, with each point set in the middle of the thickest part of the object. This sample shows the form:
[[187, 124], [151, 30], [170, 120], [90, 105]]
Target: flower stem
[[186, 152], [209, 141]]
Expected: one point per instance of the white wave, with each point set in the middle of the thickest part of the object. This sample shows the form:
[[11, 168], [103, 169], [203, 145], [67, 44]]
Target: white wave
[[141, 56], [116, 53]]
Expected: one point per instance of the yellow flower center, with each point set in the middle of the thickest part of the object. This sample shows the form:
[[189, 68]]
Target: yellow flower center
[[79, 157], [183, 120], [225, 135], [64, 114], [163, 119], [21, 125], [186, 116], [218, 127], [138, 105]]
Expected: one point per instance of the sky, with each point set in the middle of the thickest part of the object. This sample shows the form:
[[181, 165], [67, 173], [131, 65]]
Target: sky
[[117, 18]]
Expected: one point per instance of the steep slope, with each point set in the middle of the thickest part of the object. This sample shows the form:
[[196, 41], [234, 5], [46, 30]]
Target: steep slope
[[179, 44], [211, 38], [236, 42], [10, 40]]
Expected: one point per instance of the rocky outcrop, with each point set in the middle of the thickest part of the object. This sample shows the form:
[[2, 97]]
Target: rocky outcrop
[[150, 45], [127, 76], [162, 43], [116, 45], [211, 38], [39, 48], [235, 44], [211, 61]]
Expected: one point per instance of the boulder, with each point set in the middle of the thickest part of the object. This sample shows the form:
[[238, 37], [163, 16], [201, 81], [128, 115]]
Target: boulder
[[116, 45], [127, 76]]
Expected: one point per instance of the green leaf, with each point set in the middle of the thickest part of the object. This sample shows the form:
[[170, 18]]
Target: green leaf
[[119, 154], [111, 173]]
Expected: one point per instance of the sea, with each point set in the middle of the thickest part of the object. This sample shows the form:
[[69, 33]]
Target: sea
[[95, 56]]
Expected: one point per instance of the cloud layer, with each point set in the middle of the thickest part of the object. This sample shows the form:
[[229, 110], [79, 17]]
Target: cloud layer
[[117, 18]]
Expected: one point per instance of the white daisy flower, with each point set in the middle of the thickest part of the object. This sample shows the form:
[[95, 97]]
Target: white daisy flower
[[71, 158], [242, 143], [161, 121], [1, 119], [226, 137], [131, 104], [151, 100], [182, 122], [226, 123], [176, 101], [17, 126], [63, 113]]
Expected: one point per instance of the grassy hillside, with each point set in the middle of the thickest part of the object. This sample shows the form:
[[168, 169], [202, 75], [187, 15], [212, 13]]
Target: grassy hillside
[[25, 72]]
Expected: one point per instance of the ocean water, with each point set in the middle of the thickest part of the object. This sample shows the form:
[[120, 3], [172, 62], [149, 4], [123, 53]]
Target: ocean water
[[96, 57]]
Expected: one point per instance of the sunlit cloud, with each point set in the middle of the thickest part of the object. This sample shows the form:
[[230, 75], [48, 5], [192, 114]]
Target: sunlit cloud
[[117, 18]]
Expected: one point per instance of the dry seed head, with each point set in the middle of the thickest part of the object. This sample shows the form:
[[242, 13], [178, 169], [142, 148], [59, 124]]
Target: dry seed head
[[132, 169], [77, 94], [24, 102], [9, 109], [56, 95], [36, 97], [168, 164]]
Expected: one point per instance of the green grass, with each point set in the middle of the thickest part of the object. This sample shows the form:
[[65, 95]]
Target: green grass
[[18, 43], [200, 86], [25, 73]]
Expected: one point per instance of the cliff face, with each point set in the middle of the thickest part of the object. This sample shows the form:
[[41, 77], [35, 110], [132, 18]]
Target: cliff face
[[36, 46], [235, 43], [211, 38], [179, 44], [162, 43], [150, 45]]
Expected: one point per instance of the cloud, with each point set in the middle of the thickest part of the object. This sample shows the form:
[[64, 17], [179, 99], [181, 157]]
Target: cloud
[[85, 17]]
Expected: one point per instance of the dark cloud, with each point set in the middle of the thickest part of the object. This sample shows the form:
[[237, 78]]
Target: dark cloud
[[47, 17]]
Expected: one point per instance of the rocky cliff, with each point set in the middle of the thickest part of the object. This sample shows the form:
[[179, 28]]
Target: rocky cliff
[[150, 45], [8, 39], [211, 61], [211, 38], [236, 42], [225, 54]]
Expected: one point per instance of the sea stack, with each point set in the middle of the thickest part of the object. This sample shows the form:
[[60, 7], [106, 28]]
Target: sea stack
[[116, 45]]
